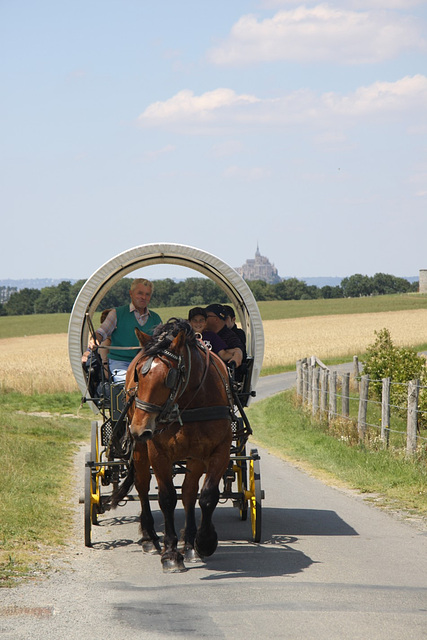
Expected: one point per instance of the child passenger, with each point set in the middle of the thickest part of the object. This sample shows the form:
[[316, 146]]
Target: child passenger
[[197, 319]]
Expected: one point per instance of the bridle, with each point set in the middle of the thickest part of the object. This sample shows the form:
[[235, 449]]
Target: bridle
[[176, 380]]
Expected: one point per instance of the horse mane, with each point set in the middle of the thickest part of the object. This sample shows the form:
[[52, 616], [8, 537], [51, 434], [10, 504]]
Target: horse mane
[[164, 334]]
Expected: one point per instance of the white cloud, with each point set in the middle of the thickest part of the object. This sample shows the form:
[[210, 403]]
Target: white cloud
[[318, 34], [381, 97], [185, 105], [224, 108]]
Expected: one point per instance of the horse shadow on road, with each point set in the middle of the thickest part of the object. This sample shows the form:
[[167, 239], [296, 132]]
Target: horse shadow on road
[[276, 554], [237, 556]]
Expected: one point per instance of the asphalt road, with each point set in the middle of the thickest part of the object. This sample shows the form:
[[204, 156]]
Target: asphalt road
[[329, 566]]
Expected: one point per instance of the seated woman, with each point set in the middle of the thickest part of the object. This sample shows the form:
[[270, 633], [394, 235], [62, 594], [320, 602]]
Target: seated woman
[[197, 319]]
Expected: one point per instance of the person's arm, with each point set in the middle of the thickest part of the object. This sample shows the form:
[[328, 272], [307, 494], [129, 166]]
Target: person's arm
[[105, 330], [232, 355]]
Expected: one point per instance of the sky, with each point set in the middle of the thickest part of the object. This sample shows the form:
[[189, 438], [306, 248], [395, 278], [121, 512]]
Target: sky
[[298, 127]]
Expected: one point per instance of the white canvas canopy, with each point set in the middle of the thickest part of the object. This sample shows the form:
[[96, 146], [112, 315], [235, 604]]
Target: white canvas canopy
[[96, 287]]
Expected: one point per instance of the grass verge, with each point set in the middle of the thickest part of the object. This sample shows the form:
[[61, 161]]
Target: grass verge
[[285, 429], [39, 436]]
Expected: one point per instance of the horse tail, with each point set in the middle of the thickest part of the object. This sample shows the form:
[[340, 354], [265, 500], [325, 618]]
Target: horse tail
[[122, 490]]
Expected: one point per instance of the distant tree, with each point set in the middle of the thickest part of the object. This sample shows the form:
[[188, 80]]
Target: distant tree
[[22, 302], [327, 292], [261, 290], [356, 286], [55, 299], [6, 292], [75, 289], [383, 283], [292, 289], [163, 292], [200, 291], [3, 311]]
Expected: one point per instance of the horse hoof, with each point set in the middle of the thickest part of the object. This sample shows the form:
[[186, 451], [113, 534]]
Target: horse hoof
[[172, 566], [191, 555], [206, 548], [149, 547]]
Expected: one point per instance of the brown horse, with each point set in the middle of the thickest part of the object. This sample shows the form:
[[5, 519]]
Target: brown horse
[[182, 412]]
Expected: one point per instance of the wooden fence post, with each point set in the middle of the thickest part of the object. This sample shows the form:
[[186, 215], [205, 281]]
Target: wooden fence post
[[345, 395], [385, 412], [305, 382], [299, 379], [324, 382], [332, 395], [363, 407], [412, 421], [310, 383], [356, 372], [316, 390]]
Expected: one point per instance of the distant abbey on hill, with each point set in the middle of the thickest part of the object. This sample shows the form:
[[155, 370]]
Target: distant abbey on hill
[[259, 268]]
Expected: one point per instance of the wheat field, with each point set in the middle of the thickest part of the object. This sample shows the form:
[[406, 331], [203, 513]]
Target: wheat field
[[36, 364], [339, 335], [40, 364]]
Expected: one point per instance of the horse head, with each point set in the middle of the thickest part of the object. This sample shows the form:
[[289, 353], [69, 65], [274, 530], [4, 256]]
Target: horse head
[[156, 378]]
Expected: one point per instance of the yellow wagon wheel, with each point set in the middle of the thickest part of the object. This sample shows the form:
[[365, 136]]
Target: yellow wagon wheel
[[241, 469], [255, 495], [88, 503], [96, 473], [92, 488]]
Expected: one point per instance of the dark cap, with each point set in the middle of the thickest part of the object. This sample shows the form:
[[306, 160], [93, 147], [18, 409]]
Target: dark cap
[[229, 311], [217, 309], [196, 311]]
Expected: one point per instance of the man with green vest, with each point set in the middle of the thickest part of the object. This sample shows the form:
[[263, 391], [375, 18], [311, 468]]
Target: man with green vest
[[120, 326]]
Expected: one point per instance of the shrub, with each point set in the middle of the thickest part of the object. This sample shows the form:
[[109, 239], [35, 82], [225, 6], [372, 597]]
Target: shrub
[[400, 364]]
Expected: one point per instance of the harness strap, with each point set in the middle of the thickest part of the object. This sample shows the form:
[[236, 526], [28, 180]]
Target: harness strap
[[201, 414], [149, 407]]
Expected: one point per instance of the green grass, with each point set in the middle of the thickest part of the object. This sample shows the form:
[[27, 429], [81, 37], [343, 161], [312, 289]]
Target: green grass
[[36, 479], [284, 428], [35, 325], [15, 326], [278, 309]]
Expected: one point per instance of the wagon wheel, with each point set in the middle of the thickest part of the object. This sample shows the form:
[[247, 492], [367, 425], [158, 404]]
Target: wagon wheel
[[88, 504], [241, 469], [255, 495], [96, 485]]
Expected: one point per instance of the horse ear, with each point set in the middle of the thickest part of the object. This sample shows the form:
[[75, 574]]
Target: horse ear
[[143, 338], [178, 343]]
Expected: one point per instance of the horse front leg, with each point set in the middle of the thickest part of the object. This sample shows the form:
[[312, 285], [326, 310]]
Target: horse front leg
[[190, 488], [150, 539], [172, 559], [206, 540]]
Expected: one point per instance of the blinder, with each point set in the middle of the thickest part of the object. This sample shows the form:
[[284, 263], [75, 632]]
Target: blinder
[[172, 378], [176, 380], [147, 366]]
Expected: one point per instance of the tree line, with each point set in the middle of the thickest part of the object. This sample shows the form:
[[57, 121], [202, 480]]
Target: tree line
[[200, 291]]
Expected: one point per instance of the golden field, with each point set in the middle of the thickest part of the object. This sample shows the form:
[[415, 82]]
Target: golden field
[[40, 363], [339, 335], [36, 364]]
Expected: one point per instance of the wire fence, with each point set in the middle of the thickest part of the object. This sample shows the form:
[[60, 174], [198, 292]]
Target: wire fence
[[346, 398]]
